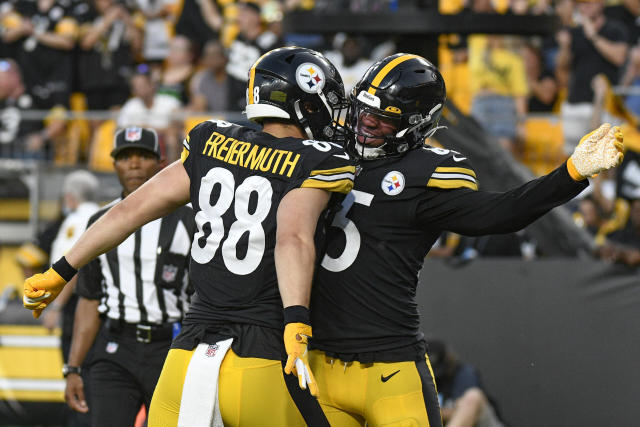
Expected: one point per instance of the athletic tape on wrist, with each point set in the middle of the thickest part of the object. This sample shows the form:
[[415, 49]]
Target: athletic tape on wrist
[[296, 314], [64, 269]]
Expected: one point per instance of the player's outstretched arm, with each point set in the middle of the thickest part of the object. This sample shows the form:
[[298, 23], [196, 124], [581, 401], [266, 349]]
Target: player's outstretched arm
[[163, 193], [295, 257], [475, 213]]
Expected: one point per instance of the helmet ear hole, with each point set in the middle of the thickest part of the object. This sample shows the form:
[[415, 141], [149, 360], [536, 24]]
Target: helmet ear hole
[[309, 107]]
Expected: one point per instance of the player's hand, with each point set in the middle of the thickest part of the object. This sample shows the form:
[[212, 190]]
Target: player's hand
[[41, 289], [597, 151], [74, 393], [296, 336]]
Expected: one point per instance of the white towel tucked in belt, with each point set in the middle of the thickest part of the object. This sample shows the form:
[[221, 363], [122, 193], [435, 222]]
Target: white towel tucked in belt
[[199, 406]]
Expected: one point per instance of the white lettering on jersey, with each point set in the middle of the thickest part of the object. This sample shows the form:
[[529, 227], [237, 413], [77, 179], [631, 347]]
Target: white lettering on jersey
[[352, 235], [246, 222]]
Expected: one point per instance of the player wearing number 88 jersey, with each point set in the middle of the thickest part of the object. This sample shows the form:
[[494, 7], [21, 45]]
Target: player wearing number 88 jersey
[[247, 187], [258, 197]]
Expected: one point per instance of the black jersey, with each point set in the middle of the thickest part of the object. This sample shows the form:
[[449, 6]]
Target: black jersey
[[47, 71], [238, 178], [363, 299]]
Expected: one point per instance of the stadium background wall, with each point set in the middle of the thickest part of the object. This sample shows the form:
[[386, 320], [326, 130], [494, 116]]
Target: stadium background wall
[[557, 341]]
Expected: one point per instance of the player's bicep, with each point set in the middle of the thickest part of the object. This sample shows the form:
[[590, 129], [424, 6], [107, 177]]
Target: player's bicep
[[299, 211]]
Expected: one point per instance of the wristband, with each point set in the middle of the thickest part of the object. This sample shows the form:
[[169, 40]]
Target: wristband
[[64, 269], [296, 314]]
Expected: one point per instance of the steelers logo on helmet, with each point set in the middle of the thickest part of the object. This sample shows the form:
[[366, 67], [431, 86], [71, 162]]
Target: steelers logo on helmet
[[393, 183], [310, 77]]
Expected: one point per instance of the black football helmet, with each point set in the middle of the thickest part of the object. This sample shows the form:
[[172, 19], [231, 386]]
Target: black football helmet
[[405, 95], [301, 85]]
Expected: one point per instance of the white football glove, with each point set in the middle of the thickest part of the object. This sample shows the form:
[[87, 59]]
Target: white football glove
[[597, 151]]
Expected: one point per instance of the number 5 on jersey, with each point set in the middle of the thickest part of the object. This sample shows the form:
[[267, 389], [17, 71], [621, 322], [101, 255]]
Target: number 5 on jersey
[[352, 235], [245, 222]]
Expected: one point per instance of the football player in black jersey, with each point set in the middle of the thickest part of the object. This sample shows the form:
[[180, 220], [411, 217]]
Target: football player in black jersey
[[369, 356], [257, 198]]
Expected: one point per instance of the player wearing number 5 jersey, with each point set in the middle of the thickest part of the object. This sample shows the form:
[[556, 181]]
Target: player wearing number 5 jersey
[[371, 362], [258, 197]]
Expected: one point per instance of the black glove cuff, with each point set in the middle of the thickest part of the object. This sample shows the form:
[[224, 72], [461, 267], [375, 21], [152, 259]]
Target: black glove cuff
[[296, 314], [64, 269]]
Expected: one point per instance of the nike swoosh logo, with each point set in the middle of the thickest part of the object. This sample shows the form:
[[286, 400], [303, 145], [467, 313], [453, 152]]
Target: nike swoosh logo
[[388, 377], [459, 159]]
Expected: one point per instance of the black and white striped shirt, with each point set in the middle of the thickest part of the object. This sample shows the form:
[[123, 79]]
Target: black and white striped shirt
[[145, 279]]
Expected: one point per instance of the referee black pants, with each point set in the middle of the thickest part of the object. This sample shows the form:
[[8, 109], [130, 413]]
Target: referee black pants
[[124, 374]]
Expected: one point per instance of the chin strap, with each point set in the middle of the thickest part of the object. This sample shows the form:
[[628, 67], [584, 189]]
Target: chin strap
[[369, 153]]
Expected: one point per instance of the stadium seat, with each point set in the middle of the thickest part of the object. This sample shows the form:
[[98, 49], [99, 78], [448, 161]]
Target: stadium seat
[[543, 146]]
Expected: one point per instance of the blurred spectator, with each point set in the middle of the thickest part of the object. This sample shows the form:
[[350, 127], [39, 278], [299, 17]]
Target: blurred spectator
[[445, 246], [178, 69], [199, 21], [628, 177], [33, 256], [543, 90], [456, 73], [631, 80], [349, 60], [47, 35], [624, 245], [627, 12], [481, 6], [79, 192], [108, 38], [589, 215], [210, 86], [20, 137], [517, 244], [596, 46], [148, 108], [564, 9], [499, 88], [252, 41], [157, 28], [463, 399]]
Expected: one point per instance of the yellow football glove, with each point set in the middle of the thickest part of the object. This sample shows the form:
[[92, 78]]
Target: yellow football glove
[[597, 151], [41, 289], [296, 336]]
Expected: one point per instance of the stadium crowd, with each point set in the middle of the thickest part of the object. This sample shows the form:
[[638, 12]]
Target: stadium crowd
[[73, 72]]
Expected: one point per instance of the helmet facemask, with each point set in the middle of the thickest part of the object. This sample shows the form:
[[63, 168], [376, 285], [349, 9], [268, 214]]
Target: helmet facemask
[[374, 133], [322, 118]]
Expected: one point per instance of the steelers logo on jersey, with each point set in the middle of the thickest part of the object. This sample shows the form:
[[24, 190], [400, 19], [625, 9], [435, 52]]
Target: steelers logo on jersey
[[393, 183], [310, 77]]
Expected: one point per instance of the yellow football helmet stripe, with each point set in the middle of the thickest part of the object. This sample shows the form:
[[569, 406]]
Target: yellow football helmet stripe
[[451, 183], [252, 76], [386, 69]]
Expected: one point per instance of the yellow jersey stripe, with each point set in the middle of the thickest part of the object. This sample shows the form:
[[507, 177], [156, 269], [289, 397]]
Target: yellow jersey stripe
[[340, 186], [445, 169], [252, 76], [184, 154], [386, 69], [349, 169], [451, 183]]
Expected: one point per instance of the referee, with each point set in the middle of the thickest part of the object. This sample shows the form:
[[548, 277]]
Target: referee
[[131, 299]]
